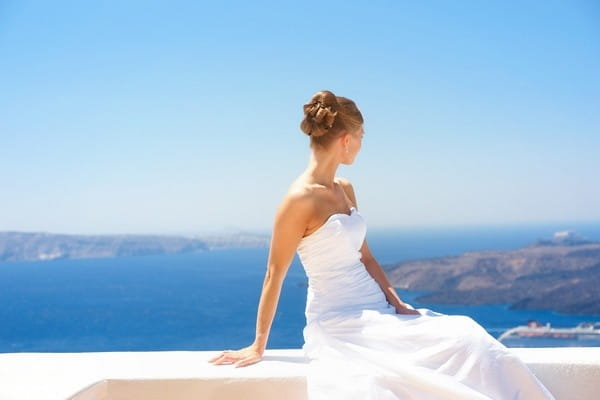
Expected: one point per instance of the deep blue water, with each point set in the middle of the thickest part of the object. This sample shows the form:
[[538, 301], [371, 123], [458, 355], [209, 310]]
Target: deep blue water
[[208, 300]]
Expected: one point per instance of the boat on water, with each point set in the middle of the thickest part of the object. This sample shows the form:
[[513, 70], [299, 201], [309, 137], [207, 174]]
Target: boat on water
[[533, 330]]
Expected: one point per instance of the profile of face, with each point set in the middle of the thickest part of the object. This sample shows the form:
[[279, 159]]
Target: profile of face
[[353, 142]]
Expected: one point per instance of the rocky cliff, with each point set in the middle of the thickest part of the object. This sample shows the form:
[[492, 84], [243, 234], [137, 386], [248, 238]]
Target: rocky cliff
[[562, 275]]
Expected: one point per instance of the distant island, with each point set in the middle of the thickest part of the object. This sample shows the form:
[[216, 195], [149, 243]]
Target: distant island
[[560, 274], [43, 246]]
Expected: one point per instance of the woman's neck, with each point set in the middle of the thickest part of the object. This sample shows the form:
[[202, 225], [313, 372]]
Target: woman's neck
[[321, 168]]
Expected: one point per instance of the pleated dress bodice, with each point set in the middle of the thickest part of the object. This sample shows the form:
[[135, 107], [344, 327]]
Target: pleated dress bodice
[[338, 281]]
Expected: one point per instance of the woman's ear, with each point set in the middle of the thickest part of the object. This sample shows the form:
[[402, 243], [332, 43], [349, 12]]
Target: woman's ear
[[345, 138]]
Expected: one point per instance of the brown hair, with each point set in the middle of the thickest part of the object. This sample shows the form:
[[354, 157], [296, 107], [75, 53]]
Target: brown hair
[[327, 116]]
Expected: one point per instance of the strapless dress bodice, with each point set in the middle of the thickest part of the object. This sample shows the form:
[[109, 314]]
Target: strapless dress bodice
[[338, 281]]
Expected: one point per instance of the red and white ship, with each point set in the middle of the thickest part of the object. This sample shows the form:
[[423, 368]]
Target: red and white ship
[[533, 329]]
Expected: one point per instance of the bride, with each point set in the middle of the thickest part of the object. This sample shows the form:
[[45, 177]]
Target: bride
[[362, 341]]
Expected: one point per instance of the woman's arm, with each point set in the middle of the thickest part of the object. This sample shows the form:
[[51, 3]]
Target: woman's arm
[[373, 266], [378, 274], [290, 224]]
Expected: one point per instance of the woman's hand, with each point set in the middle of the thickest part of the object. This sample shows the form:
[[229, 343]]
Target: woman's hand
[[246, 356], [406, 310]]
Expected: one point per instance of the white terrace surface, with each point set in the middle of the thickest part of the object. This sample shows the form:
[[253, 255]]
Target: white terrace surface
[[569, 373]]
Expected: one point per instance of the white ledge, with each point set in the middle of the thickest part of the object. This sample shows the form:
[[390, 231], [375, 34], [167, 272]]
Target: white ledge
[[570, 373]]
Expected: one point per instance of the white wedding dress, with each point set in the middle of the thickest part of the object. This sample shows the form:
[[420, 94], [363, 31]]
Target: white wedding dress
[[359, 348]]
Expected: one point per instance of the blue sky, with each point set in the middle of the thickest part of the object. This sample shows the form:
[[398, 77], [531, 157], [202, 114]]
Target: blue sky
[[183, 117]]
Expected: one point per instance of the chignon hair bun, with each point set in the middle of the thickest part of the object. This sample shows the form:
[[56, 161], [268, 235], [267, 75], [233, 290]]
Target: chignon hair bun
[[327, 116], [319, 114]]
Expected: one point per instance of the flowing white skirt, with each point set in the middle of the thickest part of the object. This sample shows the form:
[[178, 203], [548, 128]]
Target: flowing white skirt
[[378, 354]]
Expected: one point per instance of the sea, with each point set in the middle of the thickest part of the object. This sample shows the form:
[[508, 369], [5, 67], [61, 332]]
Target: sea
[[208, 300]]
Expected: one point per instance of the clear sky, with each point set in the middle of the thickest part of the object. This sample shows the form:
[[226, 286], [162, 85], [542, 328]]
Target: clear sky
[[183, 117]]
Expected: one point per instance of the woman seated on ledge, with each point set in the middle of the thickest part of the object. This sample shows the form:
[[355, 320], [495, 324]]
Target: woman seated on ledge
[[361, 339]]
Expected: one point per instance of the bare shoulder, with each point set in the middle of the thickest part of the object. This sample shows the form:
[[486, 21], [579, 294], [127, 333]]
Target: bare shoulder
[[348, 188], [298, 200], [290, 222]]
